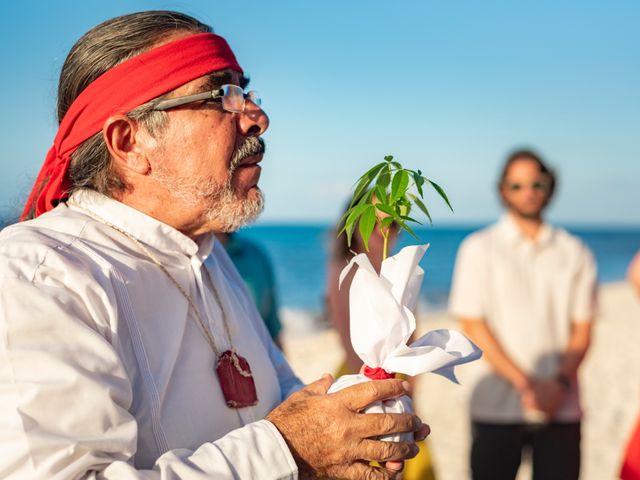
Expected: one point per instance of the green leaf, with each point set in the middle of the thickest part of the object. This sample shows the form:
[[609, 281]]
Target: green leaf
[[341, 223], [373, 171], [422, 207], [353, 214], [388, 158], [349, 232], [386, 222], [381, 195], [364, 181], [366, 198], [397, 165], [384, 179], [440, 191], [419, 181], [362, 186], [406, 218], [407, 228], [342, 219], [350, 224], [399, 185], [386, 209], [356, 212], [367, 223], [403, 210]]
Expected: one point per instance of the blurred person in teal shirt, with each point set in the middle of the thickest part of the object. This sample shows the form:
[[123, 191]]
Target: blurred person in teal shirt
[[254, 266]]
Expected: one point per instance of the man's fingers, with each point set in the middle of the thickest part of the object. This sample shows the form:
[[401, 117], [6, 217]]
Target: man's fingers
[[379, 451], [422, 433], [394, 465], [374, 424], [320, 386], [363, 471], [364, 394]]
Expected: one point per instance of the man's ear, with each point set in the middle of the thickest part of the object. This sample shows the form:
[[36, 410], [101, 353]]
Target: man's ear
[[122, 136]]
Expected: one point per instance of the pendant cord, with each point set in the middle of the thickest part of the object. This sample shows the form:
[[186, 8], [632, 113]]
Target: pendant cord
[[205, 331]]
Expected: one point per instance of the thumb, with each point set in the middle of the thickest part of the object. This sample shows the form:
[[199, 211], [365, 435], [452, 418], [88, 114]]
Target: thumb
[[320, 386]]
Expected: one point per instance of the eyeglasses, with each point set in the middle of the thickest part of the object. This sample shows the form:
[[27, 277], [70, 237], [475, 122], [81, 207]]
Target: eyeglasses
[[537, 186], [232, 97]]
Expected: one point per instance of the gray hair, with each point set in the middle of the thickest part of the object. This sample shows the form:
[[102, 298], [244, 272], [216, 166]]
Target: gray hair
[[97, 51]]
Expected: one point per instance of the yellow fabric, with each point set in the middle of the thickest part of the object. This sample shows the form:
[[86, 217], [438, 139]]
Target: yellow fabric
[[342, 370], [418, 468]]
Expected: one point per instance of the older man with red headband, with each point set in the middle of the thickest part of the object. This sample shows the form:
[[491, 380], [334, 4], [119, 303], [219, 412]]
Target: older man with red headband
[[129, 347]]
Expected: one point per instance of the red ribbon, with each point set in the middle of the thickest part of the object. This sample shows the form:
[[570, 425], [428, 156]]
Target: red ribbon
[[377, 373], [118, 91]]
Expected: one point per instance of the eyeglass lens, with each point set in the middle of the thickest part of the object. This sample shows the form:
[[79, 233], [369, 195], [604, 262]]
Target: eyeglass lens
[[233, 98]]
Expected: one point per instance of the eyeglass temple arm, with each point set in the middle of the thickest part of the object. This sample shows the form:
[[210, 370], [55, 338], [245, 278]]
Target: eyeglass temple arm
[[176, 102]]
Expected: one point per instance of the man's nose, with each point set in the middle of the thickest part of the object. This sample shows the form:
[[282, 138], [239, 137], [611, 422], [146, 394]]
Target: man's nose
[[253, 121]]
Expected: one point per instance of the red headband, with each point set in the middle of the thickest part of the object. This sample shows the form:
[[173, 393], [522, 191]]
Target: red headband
[[120, 90]]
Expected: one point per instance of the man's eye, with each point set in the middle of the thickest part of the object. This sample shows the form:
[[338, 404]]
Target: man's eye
[[215, 101]]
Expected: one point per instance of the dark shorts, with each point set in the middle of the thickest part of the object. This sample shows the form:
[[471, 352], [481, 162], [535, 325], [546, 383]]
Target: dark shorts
[[496, 451]]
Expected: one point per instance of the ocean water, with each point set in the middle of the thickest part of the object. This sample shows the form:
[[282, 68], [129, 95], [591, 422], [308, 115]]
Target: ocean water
[[299, 254]]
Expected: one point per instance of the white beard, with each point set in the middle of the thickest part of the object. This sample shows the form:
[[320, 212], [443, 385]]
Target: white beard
[[224, 207], [232, 213]]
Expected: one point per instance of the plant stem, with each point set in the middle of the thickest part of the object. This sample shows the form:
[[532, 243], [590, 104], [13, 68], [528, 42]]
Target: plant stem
[[385, 236]]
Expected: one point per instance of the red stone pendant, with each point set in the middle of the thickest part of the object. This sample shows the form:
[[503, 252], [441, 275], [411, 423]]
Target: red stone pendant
[[236, 380]]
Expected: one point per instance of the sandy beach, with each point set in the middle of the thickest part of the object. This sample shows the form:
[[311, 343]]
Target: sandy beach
[[610, 379]]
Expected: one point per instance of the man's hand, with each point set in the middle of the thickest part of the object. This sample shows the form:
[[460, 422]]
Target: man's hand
[[329, 437], [528, 398], [549, 395]]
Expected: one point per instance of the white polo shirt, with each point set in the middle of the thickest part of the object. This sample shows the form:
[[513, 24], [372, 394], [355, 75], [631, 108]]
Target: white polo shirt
[[529, 293]]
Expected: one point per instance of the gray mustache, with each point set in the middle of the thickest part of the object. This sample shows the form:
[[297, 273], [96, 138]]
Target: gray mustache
[[251, 146]]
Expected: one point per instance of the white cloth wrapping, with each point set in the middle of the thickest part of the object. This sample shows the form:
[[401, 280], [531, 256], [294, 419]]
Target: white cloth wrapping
[[399, 405], [382, 321]]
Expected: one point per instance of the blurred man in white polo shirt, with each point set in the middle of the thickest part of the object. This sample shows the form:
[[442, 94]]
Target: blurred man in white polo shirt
[[525, 293]]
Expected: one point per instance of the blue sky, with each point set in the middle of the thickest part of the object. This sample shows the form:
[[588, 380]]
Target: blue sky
[[447, 87]]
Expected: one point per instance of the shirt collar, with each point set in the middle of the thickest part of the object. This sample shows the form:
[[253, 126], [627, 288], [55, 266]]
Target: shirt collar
[[511, 233], [146, 229]]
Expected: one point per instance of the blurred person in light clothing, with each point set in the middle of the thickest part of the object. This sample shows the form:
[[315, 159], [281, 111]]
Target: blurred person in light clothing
[[524, 291]]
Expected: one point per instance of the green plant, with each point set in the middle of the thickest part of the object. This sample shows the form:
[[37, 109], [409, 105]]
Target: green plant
[[383, 196]]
